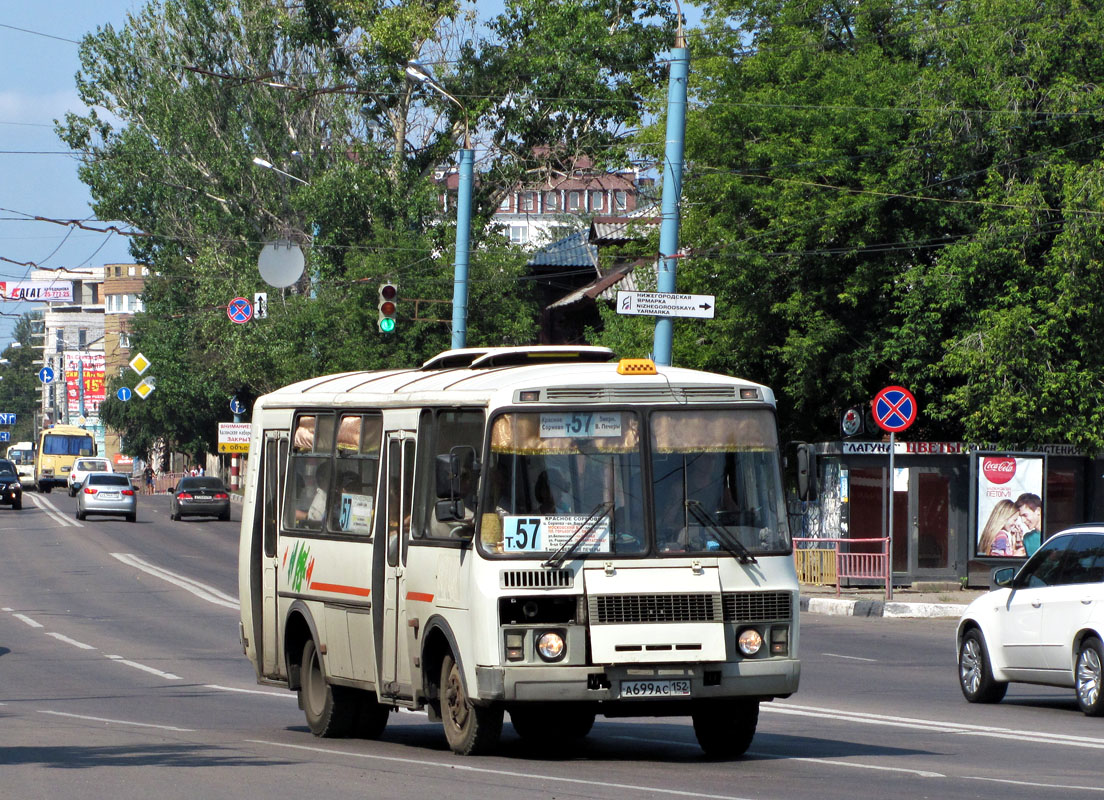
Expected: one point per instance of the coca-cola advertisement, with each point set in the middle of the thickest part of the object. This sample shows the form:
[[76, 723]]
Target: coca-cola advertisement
[[1009, 505]]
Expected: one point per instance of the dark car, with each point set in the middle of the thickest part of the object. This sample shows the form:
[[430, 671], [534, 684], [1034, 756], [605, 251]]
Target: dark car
[[200, 496], [11, 491]]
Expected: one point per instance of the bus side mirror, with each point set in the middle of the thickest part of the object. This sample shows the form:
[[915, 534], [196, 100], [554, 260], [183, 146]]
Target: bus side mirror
[[806, 471], [449, 510]]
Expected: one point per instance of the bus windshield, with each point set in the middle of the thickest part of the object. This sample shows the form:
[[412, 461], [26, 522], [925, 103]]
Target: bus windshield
[[716, 483], [55, 444], [21, 457], [574, 477], [554, 476]]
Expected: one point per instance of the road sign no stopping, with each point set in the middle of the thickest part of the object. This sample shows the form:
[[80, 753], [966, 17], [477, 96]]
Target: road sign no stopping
[[894, 409]]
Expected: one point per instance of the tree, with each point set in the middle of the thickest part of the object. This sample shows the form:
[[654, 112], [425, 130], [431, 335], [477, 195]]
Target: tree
[[20, 389], [886, 192]]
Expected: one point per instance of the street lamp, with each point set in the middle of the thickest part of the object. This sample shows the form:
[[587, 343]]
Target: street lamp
[[260, 162], [463, 214]]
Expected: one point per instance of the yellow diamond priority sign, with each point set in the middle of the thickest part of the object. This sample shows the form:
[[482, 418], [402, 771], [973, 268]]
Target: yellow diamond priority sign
[[140, 364], [144, 388]]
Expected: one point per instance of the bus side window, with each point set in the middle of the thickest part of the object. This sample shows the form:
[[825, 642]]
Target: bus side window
[[439, 432], [309, 479]]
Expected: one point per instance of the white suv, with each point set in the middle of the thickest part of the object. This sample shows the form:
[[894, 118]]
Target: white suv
[[1045, 624], [80, 471]]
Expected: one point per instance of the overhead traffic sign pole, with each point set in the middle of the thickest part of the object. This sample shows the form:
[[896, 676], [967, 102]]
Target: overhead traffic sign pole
[[894, 410]]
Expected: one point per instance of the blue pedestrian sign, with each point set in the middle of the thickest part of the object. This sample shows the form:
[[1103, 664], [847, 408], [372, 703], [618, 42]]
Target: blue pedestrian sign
[[124, 393], [46, 375], [237, 406]]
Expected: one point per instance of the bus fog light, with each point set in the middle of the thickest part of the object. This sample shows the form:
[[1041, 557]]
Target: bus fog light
[[551, 646], [749, 642], [515, 647], [780, 641]]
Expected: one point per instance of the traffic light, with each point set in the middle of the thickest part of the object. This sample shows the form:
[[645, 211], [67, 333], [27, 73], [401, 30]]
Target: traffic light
[[388, 293]]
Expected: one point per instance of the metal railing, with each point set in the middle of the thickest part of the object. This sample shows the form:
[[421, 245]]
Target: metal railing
[[823, 562]]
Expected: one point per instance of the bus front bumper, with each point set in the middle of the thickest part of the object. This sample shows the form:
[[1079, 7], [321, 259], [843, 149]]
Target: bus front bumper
[[763, 678]]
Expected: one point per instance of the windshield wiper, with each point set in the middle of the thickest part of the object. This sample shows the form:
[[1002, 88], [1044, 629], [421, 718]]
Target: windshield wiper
[[600, 512], [728, 541]]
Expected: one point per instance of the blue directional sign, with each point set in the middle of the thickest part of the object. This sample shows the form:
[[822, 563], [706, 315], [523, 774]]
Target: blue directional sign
[[46, 375], [124, 393], [5, 436], [7, 419], [237, 406]]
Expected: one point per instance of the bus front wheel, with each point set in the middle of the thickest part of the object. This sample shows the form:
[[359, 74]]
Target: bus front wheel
[[331, 711], [469, 729], [725, 728]]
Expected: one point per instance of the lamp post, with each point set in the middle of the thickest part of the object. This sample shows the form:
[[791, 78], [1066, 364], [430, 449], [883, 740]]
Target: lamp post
[[260, 162], [672, 188], [463, 215]]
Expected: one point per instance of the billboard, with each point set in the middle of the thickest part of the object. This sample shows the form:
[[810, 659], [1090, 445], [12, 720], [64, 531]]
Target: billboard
[[90, 367], [40, 291], [1009, 504]]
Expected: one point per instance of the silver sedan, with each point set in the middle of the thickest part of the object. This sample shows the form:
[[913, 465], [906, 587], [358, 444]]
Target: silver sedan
[[107, 493]]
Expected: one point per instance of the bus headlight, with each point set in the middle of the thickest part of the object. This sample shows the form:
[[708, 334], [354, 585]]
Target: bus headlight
[[550, 646], [749, 641]]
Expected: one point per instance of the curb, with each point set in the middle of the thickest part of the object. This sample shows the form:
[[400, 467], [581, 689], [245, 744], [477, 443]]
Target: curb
[[878, 608]]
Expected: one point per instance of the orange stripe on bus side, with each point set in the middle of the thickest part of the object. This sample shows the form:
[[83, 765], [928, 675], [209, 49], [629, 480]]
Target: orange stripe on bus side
[[339, 589], [420, 596]]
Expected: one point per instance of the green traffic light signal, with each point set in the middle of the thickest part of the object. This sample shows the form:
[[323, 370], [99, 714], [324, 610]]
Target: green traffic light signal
[[388, 293]]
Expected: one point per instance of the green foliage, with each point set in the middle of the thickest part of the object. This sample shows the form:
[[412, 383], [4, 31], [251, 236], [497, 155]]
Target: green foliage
[[20, 389], [900, 192]]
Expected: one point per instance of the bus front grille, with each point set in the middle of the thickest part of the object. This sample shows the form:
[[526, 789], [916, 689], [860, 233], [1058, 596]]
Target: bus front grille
[[537, 579], [620, 609], [757, 606]]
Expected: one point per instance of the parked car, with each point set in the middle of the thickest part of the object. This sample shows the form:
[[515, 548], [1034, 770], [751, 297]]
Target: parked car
[[200, 496], [81, 468], [11, 490], [107, 493], [1043, 624]]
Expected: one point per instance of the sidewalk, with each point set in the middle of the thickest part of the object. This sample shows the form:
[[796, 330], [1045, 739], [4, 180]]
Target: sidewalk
[[871, 602]]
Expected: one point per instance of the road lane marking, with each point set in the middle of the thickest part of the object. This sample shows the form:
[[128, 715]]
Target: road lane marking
[[934, 726], [1036, 785], [852, 658], [200, 590], [166, 675], [920, 773], [118, 721], [53, 512], [28, 620], [283, 695], [636, 788], [63, 638]]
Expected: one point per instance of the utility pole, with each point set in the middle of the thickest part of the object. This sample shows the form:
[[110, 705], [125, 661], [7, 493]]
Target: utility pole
[[672, 188]]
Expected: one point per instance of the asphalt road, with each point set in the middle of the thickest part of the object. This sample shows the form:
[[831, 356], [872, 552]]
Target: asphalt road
[[121, 677]]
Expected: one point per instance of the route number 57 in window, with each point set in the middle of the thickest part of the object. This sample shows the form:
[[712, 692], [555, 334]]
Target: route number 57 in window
[[580, 425], [521, 534]]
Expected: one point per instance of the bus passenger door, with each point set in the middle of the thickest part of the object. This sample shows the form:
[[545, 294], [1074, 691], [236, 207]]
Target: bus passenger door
[[395, 664], [272, 478]]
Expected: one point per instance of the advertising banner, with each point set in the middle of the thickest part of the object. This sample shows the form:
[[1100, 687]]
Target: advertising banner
[[40, 291], [1009, 505], [91, 367]]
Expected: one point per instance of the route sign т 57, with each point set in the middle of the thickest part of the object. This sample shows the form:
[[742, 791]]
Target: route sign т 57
[[665, 304]]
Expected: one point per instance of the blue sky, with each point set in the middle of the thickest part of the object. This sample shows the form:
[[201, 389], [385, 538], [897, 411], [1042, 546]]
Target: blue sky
[[37, 178]]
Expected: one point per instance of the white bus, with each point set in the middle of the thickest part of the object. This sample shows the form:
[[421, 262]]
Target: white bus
[[541, 531], [22, 454]]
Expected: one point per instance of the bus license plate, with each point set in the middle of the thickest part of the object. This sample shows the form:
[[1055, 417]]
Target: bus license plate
[[677, 688]]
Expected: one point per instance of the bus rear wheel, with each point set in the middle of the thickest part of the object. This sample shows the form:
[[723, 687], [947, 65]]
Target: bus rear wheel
[[330, 710], [725, 728], [469, 729]]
